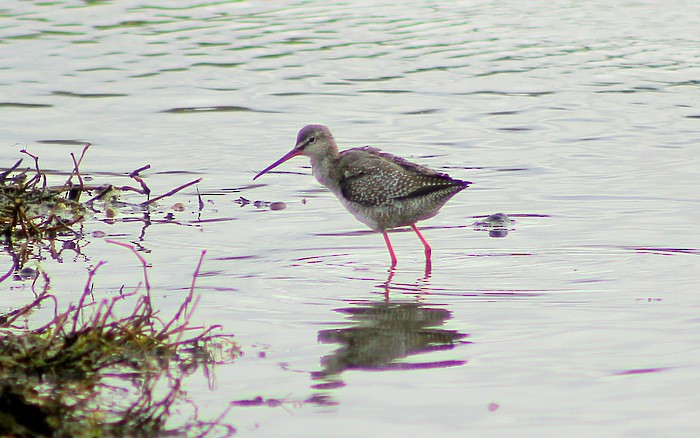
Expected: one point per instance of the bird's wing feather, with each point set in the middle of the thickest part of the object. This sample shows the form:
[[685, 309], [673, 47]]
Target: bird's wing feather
[[371, 177]]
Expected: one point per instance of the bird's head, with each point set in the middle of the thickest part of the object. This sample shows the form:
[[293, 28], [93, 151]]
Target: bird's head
[[312, 141]]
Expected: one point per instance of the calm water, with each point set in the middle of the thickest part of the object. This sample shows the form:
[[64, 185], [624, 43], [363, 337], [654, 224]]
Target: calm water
[[580, 121]]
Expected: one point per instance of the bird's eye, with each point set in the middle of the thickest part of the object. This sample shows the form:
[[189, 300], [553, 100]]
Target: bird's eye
[[312, 139]]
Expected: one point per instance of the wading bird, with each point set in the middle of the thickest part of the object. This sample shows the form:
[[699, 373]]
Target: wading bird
[[381, 190]]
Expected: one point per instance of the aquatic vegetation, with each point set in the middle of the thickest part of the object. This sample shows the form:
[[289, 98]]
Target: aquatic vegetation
[[33, 213], [30, 209], [91, 372], [111, 366]]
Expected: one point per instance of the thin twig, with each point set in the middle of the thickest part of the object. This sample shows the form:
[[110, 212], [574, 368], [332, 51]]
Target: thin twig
[[183, 307], [137, 171], [135, 175], [39, 175], [7, 275], [10, 170], [144, 264], [12, 316], [231, 430], [172, 192], [86, 291], [76, 169], [103, 192], [199, 198]]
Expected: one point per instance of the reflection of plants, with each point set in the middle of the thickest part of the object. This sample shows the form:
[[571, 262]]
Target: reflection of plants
[[73, 376]]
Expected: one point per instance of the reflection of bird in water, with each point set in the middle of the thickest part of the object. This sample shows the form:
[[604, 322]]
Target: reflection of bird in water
[[387, 331], [381, 190]]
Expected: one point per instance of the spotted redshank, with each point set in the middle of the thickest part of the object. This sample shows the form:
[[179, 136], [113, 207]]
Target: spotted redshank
[[381, 190]]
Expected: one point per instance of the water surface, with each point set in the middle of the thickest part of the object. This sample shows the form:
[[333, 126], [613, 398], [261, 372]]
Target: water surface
[[579, 121]]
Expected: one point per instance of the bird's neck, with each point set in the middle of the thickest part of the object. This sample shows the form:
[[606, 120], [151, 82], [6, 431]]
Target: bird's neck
[[325, 170]]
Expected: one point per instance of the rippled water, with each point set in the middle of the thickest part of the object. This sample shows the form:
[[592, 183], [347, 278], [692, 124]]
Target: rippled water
[[578, 120]]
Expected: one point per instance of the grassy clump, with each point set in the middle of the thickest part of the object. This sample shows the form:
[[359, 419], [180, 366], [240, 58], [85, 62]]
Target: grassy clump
[[89, 372], [31, 211]]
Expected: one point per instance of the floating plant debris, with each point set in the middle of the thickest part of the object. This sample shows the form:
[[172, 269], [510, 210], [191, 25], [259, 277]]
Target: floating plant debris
[[497, 224], [277, 205]]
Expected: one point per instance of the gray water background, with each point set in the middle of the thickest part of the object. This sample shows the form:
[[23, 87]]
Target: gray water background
[[579, 120]]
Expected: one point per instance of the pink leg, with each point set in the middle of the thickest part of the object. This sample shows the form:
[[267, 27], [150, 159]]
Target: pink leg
[[391, 250], [428, 250]]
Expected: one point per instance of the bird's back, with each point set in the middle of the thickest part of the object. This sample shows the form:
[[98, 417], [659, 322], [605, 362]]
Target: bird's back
[[385, 191]]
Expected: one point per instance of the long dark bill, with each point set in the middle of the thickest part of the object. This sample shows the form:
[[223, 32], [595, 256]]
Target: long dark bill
[[291, 154]]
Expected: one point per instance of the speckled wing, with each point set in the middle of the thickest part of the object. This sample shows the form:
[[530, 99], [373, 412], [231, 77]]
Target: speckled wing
[[374, 178]]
